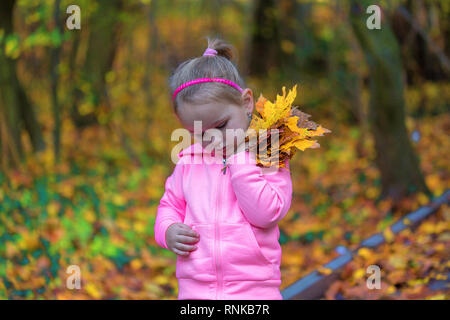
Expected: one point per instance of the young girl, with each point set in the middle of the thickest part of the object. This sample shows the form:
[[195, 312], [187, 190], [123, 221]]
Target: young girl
[[221, 218]]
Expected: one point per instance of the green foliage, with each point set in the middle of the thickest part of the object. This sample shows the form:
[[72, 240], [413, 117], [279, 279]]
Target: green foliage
[[96, 207]]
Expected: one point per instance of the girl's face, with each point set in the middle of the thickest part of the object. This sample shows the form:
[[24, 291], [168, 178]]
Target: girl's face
[[220, 116]]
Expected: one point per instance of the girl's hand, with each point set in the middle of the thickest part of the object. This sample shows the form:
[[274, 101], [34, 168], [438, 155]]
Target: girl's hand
[[241, 146], [179, 236]]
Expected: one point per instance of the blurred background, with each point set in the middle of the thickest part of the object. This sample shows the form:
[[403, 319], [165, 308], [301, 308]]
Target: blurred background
[[86, 119]]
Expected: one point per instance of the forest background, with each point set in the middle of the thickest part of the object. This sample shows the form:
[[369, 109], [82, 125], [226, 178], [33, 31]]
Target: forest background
[[86, 119]]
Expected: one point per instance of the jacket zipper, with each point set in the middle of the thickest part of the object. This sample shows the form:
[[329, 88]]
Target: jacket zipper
[[224, 169], [217, 237]]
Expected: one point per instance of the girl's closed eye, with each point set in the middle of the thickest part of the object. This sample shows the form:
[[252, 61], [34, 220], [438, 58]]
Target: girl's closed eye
[[222, 125]]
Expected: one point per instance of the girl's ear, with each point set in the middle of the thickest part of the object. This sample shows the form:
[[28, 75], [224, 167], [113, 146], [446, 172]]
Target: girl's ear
[[247, 97]]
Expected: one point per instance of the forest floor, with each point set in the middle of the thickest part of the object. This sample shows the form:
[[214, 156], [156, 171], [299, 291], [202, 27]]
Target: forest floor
[[96, 209]]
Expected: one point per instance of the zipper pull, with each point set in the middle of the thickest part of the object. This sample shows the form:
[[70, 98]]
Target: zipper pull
[[224, 169]]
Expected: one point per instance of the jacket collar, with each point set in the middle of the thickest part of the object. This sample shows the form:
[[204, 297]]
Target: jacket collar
[[196, 148]]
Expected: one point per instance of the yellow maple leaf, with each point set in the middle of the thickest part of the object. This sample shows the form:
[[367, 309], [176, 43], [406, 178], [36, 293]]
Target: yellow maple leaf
[[294, 129], [318, 132], [365, 253], [259, 105], [325, 271], [92, 290], [388, 235], [359, 273]]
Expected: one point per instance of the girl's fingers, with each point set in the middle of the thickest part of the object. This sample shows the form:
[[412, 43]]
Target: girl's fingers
[[185, 226], [179, 252], [187, 239], [188, 232], [184, 247]]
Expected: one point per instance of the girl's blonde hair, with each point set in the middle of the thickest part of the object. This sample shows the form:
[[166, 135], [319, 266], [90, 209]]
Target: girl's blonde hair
[[220, 65]]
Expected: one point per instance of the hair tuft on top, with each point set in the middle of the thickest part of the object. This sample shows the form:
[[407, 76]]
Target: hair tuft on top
[[223, 48], [220, 66]]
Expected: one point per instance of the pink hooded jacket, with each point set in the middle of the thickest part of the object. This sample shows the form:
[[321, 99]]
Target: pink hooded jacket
[[236, 214]]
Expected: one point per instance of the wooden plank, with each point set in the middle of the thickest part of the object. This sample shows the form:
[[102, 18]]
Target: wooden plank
[[314, 285]]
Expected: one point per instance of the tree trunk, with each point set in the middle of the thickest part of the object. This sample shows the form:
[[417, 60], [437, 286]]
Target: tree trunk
[[279, 29], [264, 42], [103, 27], [423, 57], [54, 77], [17, 110], [395, 157]]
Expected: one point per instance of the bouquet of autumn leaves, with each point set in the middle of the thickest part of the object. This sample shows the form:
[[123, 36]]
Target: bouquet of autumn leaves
[[295, 131]]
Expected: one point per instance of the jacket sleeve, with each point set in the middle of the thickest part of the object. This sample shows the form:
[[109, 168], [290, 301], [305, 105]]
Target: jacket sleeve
[[172, 205], [263, 198]]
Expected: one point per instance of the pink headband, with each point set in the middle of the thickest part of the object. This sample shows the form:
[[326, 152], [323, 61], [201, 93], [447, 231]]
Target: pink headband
[[208, 52]]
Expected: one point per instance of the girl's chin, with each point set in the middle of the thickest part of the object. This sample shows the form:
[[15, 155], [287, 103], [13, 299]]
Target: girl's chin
[[222, 150], [214, 147], [217, 148]]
